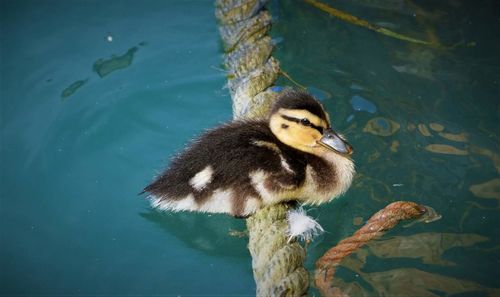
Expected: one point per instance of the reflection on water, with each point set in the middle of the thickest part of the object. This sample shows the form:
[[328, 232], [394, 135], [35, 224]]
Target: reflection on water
[[381, 126], [104, 67], [409, 282], [72, 88], [424, 125], [489, 189], [424, 248], [208, 233]]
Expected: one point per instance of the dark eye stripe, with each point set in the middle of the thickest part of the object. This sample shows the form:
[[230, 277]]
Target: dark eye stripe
[[320, 129], [292, 119]]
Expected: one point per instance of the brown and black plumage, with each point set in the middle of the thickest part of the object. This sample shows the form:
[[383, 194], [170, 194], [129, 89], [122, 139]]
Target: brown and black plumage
[[240, 166]]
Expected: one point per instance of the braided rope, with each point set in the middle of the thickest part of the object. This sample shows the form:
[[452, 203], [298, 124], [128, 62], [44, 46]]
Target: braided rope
[[243, 25], [381, 221], [278, 264]]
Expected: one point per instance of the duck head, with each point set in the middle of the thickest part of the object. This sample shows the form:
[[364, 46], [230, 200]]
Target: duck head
[[300, 121]]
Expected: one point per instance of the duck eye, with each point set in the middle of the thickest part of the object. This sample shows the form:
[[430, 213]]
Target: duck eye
[[305, 122]]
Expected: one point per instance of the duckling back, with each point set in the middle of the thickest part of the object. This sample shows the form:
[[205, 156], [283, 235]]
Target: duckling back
[[212, 174], [239, 167]]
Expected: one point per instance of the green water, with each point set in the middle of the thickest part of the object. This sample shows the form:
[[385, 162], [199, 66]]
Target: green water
[[416, 87], [96, 96]]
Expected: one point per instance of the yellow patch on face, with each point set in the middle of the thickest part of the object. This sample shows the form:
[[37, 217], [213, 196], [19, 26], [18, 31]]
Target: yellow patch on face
[[286, 125], [303, 114]]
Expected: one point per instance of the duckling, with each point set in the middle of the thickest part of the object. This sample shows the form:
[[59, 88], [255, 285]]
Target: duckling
[[241, 166]]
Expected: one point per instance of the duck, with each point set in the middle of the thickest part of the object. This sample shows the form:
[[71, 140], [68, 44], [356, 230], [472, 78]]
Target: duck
[[292, 155]]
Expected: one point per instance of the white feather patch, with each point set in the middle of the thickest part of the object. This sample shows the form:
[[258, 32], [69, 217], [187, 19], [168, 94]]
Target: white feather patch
[[202, 178], [302, 226], [221, 201]]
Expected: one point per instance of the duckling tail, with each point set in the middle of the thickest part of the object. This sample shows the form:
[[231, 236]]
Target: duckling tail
[[149, 188]]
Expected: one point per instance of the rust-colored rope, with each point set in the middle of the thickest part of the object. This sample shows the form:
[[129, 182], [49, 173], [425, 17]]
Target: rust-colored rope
[[382, 221]]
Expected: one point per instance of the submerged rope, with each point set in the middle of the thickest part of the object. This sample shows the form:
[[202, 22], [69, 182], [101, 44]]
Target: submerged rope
[[381, 221], [243, 25]]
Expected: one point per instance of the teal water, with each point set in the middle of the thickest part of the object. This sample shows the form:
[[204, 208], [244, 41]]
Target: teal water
[[96, 96], [71, 220]]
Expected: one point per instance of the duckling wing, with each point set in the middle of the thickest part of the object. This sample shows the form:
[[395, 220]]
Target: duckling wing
[[227, 170]]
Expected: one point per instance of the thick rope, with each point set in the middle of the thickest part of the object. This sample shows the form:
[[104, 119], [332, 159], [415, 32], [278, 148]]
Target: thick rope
[[277, 263], [243, 25], [380, 222]]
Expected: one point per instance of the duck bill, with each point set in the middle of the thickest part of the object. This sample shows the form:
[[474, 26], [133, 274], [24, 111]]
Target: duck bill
[[334, 142]]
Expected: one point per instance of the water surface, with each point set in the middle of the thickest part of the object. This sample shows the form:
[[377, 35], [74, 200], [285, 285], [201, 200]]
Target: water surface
[[97, 96], [75, 155]]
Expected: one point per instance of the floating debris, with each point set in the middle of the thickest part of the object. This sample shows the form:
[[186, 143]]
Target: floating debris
[[105, 67], [489, 189], [445, 149], [381, 126], [436, 127], [72, 88], [422, 128], [461, 137], [361, 104], [394, 146]]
